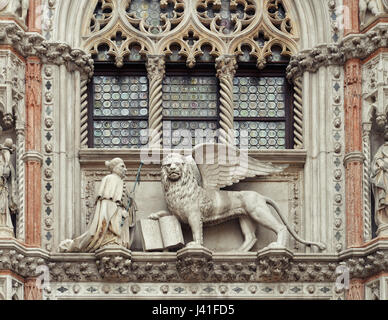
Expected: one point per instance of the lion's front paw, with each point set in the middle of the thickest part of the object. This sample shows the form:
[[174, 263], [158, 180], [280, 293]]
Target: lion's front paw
[[154, 216], [275, 245], [194, 244]]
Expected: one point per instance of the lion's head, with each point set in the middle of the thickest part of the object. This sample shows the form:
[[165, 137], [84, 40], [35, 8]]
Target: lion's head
[[174, 167]]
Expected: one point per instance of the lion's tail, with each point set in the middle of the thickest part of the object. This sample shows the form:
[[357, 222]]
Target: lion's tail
[[320, 245]]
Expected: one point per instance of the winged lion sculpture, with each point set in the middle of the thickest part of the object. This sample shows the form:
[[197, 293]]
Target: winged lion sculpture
[[192, 193]]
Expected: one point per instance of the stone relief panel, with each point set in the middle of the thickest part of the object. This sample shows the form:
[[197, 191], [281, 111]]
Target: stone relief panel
[[150, 199]]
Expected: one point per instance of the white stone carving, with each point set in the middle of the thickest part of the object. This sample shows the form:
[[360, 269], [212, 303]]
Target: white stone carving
[[379, 180], [192, 194], [375, 7], [12, 89], [8, 189], [18, 8], [114, 219]]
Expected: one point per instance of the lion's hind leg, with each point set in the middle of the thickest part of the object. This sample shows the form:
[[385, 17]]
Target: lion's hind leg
[[248, 229], [260, 212]]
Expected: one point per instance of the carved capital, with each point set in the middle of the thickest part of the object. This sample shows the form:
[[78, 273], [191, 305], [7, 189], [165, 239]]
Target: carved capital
[[226, 66], [155, 67], [113, 262], [355, 156], [273, 264], [194, 264], [33, 156]]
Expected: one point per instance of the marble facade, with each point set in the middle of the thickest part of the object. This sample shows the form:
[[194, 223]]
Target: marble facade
[[340, 89]]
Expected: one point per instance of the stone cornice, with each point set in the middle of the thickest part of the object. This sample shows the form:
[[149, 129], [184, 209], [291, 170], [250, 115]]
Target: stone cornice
[[267, 265], [29, 44], [97, 157], [354, 46]]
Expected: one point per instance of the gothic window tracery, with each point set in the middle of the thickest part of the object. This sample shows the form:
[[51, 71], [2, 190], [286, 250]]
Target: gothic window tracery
[[174, 38]]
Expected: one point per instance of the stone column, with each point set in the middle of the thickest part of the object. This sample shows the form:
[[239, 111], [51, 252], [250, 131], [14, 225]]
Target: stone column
[[226, 66], [33, 157], [354, 158], [356, 290], [156, 72], [31, 291], [34, 16], [351, 17]]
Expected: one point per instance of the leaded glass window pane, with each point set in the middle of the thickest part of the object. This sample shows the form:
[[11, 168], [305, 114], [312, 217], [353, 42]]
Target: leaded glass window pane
[[120, 111], [260, 135], [190, 96], [190, 110], [260, 112], [185, 134]]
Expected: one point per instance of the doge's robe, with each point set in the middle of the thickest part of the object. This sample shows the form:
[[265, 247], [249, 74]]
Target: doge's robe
[[112, 223]]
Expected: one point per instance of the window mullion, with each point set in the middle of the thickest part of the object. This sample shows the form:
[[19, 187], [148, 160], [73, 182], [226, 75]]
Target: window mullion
[[226, 66], [156, 71]]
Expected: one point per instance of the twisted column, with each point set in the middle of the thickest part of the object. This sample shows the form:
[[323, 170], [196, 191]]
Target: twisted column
[[298, 115], [366, 182], [156, 72], [20, 148], [84, 113], [226, 66]]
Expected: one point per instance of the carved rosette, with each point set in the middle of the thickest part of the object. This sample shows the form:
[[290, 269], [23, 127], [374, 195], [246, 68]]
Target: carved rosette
[[226, 69], [156, 72]]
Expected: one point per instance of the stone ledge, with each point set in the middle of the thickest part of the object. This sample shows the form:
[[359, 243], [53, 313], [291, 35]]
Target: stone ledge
[[121, 265], [97, 157]]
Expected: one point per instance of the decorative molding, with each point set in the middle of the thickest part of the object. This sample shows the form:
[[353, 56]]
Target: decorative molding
[[339, 218], [48, 163], [49, 7], [354, 46], [266, 266], [177, 290], [29, 44]]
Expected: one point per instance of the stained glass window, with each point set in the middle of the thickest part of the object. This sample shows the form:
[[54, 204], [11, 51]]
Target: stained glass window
[[260, 112], [120, 111], [190, 110]]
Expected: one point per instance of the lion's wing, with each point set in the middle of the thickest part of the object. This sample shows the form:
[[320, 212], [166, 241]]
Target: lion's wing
[[221, 165]]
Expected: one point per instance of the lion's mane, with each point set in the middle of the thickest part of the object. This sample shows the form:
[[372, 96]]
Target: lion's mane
[[182, 194]]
